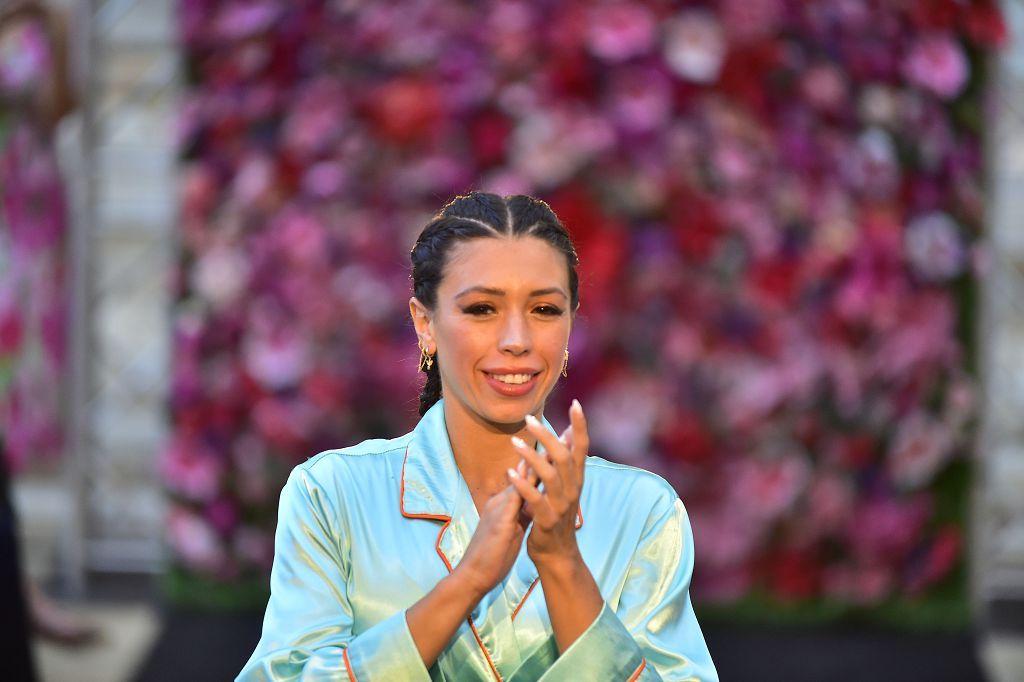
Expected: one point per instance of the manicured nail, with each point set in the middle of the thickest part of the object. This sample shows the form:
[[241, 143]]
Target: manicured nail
[[576, 404], [512, 473], [530, 419], [518, 442]]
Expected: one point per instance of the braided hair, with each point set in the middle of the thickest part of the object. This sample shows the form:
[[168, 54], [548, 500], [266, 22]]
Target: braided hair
[[474, 216]]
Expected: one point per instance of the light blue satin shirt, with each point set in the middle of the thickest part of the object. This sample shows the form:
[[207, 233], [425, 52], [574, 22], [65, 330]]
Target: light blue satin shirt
[[366, 531]]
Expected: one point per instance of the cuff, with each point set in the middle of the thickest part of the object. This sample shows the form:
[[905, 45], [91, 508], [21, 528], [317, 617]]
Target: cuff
[[385, 652], [605, 651]]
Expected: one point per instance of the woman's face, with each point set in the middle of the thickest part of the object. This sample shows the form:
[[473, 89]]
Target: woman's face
[[500, 326]]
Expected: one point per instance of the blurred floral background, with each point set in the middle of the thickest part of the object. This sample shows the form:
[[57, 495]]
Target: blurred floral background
[[777, 206]]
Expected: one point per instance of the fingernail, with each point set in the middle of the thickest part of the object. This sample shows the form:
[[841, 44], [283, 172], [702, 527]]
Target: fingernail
[[576, 404], [518, 442], [512, 473], [530, 419]]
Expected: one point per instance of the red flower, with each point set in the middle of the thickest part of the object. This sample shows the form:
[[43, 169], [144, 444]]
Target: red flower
[[984, 24], [793, 574], [405, 109], [686, 438]]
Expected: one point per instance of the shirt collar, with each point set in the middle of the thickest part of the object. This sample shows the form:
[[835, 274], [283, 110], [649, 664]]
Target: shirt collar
[[430, 477]]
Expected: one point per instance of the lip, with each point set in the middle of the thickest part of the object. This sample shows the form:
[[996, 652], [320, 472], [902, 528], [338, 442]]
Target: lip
[[511, 390]]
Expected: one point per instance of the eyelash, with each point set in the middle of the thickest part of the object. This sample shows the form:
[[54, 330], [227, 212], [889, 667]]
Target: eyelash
[[484, 308]]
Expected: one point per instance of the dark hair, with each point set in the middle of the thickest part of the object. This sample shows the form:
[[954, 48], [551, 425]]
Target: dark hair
[[474, 216]]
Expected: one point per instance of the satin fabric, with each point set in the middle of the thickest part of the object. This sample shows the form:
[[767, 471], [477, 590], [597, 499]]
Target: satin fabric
[[366, 531]]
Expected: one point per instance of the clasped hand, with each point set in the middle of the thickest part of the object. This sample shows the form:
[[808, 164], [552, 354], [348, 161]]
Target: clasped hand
[[560, 468], [552, 510]]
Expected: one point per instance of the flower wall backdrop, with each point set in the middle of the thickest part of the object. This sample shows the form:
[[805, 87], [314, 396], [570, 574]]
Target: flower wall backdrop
[[33, 239], [777, 206]]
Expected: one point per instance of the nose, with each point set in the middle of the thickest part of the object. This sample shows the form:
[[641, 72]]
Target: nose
[[515, 335]]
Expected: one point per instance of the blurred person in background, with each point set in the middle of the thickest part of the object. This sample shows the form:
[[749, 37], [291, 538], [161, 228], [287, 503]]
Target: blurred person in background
[[405, 558], [35, 94]]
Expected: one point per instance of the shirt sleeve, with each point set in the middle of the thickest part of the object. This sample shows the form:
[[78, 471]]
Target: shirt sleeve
[[307, 629], [653, 633]]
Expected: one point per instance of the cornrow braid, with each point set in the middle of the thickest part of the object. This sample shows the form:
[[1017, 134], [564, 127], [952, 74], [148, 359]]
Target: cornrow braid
[[474, 216]]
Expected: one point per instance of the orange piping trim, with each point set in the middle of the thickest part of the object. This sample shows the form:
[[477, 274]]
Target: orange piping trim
[[348, 664], [409, 515], [437, 545], [480, 642], [523, 600], [636, 673]]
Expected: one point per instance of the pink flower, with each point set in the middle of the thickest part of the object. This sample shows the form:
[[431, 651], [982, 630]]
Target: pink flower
[[315, 122], [934, 247], [922, 340], [240, 19], [641, 100], [724, 539], [548, 147], [194, 541], [885, 529], [254, 546], [764, 490], [865, 584], [623, 439], [616, 32], [748, 20], [937, 63], [325, 180], [24, 55], [825, 87], [920, 447], [829, 504], [191, 469], [220, 275], [277, 359], [695, 45]]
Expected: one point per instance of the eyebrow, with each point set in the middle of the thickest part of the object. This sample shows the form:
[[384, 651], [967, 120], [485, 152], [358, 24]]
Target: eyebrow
[[491, 291]]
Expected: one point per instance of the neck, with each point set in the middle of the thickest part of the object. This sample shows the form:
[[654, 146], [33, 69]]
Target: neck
[[483, 450]]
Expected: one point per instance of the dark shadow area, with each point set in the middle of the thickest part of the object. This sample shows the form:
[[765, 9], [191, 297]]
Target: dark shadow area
[[202, 646], [835, 654]]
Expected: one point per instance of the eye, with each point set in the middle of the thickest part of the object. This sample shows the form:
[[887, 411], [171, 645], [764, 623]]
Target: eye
[[479, 309], [548, 310]]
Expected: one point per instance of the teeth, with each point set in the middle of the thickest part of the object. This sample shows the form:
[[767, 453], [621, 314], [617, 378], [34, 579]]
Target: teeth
[[513, 378]]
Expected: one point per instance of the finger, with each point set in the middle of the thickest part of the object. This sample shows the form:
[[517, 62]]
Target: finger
[[534, 498], [556, 449], [580, 438], [528, 473], [547, 471]]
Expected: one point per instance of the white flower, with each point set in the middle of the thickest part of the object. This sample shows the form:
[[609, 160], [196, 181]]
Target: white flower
[[695, 46]]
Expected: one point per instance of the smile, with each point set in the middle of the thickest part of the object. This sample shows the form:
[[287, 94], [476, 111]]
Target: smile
[[512, 384], [512, 378]]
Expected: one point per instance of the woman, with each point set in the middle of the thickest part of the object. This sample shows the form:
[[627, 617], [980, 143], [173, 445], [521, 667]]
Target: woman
[[404, 558]]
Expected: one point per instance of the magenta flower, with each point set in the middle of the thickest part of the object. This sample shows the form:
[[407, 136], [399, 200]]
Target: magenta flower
[[616, 32], [25, 57], [937, 63]]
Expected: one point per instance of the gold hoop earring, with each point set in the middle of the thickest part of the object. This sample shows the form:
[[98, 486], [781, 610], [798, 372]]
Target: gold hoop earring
[[565, 364], [426, 359]]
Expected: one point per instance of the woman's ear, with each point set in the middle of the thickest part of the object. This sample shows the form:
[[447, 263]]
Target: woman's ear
[[420, 315]]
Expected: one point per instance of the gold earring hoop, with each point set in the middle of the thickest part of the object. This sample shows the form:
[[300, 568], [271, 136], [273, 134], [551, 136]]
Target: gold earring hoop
[[565, 364], [426, 359]]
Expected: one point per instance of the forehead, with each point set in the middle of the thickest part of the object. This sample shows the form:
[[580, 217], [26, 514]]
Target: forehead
[[504, 262]]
